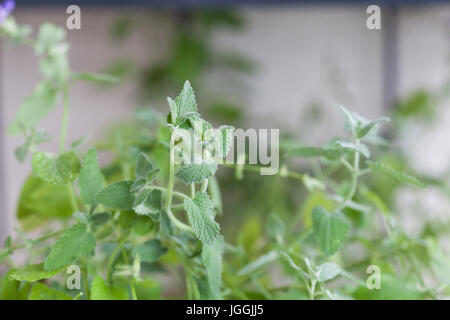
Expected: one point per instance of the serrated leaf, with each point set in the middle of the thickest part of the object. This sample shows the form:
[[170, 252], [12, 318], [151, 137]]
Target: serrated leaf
[[57, 169], [212, 259], [40, 291], [35, 107], [77, 241], [101, 291], [310, 152], [32, 273], [328, 271], [186, 100], [190, 173], [150, 251], [330, 229], [116, 195], [396, 174], [199, 212], [361, 147], [90, 180]]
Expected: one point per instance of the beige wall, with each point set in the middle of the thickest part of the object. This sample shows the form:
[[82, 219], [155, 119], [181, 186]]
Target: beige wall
[[297, 49]]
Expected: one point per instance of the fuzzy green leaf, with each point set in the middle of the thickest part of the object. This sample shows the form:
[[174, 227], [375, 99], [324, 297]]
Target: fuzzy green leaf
[[77, 241], [116, 195], [212, 259], [57, 169], [328, 271], [330, 229], [396, 174], [90, 180], [35, 107], [199, 212], [32, 273], [190, 173], [186, 100], [150, 251]]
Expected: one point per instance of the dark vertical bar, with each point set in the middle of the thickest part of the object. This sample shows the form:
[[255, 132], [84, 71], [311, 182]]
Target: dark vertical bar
[[389, 24]]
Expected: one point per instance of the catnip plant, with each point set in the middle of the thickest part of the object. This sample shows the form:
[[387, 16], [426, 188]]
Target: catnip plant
[[107, 231]]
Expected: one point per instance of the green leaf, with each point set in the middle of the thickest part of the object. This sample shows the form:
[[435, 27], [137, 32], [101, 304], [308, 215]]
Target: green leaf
[[397, 175], [361, 148], [328, 271], [116, 195], [48, 36], [77, 241], [212, 259], [148, 202], [35, 107], [275, 227], [143, 165], [57, 169], [185, 102], [150, 251], [90, 180], [311, 152], [12, 289], [190, 173], [391, 288], [101, 291], [40, 200], [32, 273], [330, 229], [350, 121], [365, 129], [199, 212], [259, 263], [40, 291], [96, 78]]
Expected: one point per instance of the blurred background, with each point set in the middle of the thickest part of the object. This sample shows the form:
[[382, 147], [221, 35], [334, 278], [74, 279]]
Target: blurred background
[[265, 64]]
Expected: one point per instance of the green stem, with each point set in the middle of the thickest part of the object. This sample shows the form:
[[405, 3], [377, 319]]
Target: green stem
[[112, 258], [354, 185], [205, 185], [85, 282], [133, 289], [193, 190], [44, 237], [170, 191]]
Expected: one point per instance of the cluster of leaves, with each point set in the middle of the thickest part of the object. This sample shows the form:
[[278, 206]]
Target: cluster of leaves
[[122, 224]]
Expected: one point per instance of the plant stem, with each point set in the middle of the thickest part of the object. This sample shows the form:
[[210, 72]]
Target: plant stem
[[170, 192], [205, 185], [354, 185], [193, 190], [133, 289], [44, 237]]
